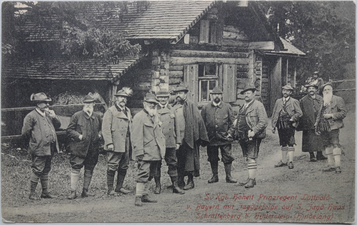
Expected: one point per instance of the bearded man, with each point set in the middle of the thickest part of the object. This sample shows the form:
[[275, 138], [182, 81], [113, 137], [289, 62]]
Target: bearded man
[[39, 130], [285, 116], [328, 123], [85, 135], [148, 146], [193, 134], [116, 131], [310, 105], [218, 118]]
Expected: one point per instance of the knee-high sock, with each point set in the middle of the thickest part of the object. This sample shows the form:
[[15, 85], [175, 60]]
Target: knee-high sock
[[140, 189], [291, 153], [252, 168], [74, 179], [284, 152], [337, 156], [330, 158]]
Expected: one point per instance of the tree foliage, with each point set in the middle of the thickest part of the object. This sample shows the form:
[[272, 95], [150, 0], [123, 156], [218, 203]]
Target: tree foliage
[[75, 29], [325, 31]]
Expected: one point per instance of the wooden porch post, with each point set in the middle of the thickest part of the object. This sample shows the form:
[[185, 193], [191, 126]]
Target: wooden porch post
[[275, 83]]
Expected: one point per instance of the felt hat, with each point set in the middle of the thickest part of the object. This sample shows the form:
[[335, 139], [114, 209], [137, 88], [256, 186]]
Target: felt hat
[[40, 97], [216, 90], [88, 99], [288, 87], [328, 83], [249, 87], [311, 85], [162, 93], [125, 91], [181, 87], [150, 97]]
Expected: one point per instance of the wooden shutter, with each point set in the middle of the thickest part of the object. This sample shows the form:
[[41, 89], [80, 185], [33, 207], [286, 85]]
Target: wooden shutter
[[229, 82], [204, 31], [191, 80]]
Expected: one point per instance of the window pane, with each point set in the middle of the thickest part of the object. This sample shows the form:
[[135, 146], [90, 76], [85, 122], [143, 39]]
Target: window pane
[[200, 70], [210, 69], [212, 84], [204, 90]]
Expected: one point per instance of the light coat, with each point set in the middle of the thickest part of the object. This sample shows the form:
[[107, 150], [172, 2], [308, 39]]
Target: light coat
[[115, 127], [87, 126], [147, 139]]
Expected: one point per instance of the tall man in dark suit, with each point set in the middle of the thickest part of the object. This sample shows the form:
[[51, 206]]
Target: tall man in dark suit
[[218, 118]]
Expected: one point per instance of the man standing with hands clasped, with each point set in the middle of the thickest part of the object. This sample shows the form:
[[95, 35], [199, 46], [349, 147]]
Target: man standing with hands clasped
[[84, 133], [116, 131], [251, 123], [39, 130], [285, 116], [218, 118]]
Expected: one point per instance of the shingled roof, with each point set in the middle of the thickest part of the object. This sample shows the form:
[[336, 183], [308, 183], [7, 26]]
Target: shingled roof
[[289, 49], [162, 20], [60, 68]]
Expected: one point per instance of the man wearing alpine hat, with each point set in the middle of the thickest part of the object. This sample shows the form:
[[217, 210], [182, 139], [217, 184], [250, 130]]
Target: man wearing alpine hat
[[286, 114], [251, 123], [39, 130]]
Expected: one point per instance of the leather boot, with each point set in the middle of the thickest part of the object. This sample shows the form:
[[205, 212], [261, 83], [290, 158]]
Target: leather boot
[[44, 184], [158, 185], [110, 181], [72, 195], [120, 180], [138, 200], [228, 169], [146, 198], [245, 182], [214, 178], [320, 156], [190, 183], [312, 157], [180, 181], [32, 195], [175, 187], [250, 183], [86, 182]]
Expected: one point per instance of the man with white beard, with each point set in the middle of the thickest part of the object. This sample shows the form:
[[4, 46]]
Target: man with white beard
[[148, 146], [328, 124], [85, 135]]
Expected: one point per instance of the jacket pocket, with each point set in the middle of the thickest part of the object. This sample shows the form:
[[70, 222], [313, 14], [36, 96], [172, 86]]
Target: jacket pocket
[[148, 142], [148, 125]]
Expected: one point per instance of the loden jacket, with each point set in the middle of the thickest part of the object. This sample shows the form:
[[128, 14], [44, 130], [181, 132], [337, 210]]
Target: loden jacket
[[339, 111], [292, 107], [40, 131], [87, 126], [147, 139], [169, 126], [115, 128]]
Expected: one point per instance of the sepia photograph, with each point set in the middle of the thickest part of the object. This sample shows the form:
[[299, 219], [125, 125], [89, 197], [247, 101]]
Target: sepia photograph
[[192, 111]]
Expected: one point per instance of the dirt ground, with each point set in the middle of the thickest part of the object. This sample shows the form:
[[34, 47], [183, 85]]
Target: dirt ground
[[300, 195]]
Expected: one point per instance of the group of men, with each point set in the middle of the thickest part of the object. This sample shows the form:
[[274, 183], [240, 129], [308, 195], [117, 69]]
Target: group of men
[[175, 132]]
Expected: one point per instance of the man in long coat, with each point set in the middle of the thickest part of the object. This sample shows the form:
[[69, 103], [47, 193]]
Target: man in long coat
[[171, 132], [148, 146], [193, 134], [116, 131], [85, 135], [310, 105], [328, 123], [39, 130], [218, 118], [286, 114], [251, 123]]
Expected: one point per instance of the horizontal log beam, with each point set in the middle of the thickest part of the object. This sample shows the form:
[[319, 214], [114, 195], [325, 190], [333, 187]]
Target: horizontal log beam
[[176, 74], [176, 68], [193, 60], [208, 54]]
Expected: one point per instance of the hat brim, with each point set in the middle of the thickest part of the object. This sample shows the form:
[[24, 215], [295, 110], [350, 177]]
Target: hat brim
[[248, 89], [92, 101], [44, 100], [315, 86], [289, 89], [151, 101], [163, 95], [216, 93], [123, 95], [185, 90]]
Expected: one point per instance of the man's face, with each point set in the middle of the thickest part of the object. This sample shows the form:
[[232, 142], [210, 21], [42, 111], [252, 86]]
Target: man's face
[[216, 97], [181, 95], [286, 93], [249, 95], [88, 107], [327, 90], [43, 106], [121, 100], [311, 91], [162, 99]]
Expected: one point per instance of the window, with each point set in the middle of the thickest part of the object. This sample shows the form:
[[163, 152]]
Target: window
[[207, 80]]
